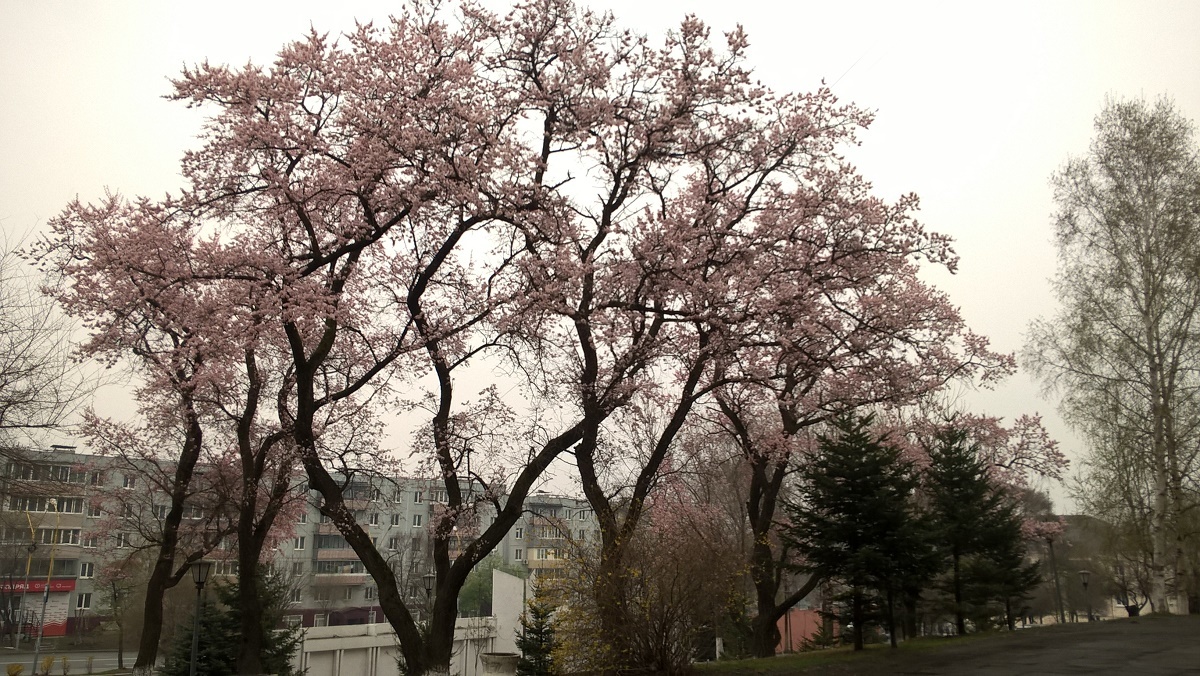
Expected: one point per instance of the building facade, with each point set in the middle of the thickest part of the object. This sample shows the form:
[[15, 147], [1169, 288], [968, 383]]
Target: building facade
[[67, 515]]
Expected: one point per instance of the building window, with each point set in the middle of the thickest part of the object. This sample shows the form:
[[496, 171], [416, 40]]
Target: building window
[[296, 596], [370, 593], [322, 594], [348, 595], [395, 519], [93, 510], [415, 547], [293, 621], [373, 519], [303, 519], [83, 601], [128, 511], [87, 570], [195, 512], [321, 620], [416, 520], [297, 568], [418, 497], [393, 544], [94, 478], [517, 554], [298, 543], [160, 511], [89, 541], [519, 534], [124, 540], [226, 568], [128, 481], [324, 518]]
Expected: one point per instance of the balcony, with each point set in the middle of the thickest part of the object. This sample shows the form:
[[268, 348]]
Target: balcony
[[336, 554], [340, 579]]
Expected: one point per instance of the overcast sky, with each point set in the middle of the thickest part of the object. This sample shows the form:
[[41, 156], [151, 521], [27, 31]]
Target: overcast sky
[[976, 107]]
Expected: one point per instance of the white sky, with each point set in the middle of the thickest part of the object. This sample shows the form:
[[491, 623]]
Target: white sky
[[977, 106]]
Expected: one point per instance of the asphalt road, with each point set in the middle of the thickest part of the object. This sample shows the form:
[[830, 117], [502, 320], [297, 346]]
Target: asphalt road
[[1148, 646]]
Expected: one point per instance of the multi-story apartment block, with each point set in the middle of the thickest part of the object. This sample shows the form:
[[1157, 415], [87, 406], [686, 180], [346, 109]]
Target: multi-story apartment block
[[61, 502], [332, 587], [47, 541]]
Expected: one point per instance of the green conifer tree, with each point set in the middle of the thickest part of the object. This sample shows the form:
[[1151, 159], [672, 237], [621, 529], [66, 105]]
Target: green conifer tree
[[219, 638], [855, 521], [536, 638], [979, 527]]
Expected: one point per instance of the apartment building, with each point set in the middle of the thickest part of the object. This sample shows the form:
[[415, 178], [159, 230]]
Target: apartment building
[[47, 541], [331, 587], [66, 514]]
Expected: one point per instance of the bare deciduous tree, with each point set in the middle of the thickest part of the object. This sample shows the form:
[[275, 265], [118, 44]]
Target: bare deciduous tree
[[1123, 349]]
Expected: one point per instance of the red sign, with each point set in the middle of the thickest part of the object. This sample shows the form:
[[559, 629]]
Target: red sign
[[18, 586]]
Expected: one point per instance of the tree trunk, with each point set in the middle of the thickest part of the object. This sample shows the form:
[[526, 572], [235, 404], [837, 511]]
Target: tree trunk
[[152, 613], [960, 622], [859, 617], [765, 633], [1159, 516], [910, 616], [162, 576], [891, 617], [249, 659]]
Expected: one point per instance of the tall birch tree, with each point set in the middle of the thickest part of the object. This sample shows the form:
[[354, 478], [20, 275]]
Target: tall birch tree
[[1123, 348]]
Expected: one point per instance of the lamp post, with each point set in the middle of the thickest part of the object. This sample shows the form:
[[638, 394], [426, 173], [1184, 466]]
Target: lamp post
[[200, 571], [25, 589], [1084, 575], [54, 538], [427, 580]]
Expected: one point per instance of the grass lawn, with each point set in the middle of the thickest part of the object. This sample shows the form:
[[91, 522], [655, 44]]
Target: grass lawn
[[829, 660]]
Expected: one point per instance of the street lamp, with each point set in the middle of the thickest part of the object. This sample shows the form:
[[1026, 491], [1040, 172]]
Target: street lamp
[[200, 570], [427, 580], [55, 536], [1084, 576]]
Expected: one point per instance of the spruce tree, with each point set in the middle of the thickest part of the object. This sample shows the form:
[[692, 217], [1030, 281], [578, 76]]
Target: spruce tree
[[979, 527], [219, 638], [536, 640], [855, 522], [999, 572]]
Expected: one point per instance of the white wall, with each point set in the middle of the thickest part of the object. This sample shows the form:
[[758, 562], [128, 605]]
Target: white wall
[[371, 649]]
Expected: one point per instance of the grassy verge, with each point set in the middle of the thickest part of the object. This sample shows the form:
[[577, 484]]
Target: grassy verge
[[834, 660]]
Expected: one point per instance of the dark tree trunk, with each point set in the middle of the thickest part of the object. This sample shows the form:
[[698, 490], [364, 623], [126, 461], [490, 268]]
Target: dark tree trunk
[[891, 617], [910, 616], [960, 620], [249, 659], [859, 617], [253, 527], [767, 472], [164, 576]]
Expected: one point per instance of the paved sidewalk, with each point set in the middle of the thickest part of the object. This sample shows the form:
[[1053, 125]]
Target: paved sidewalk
[[1148, 646]]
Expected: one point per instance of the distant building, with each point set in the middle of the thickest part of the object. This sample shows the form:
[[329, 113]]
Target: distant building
[[59, 493]]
